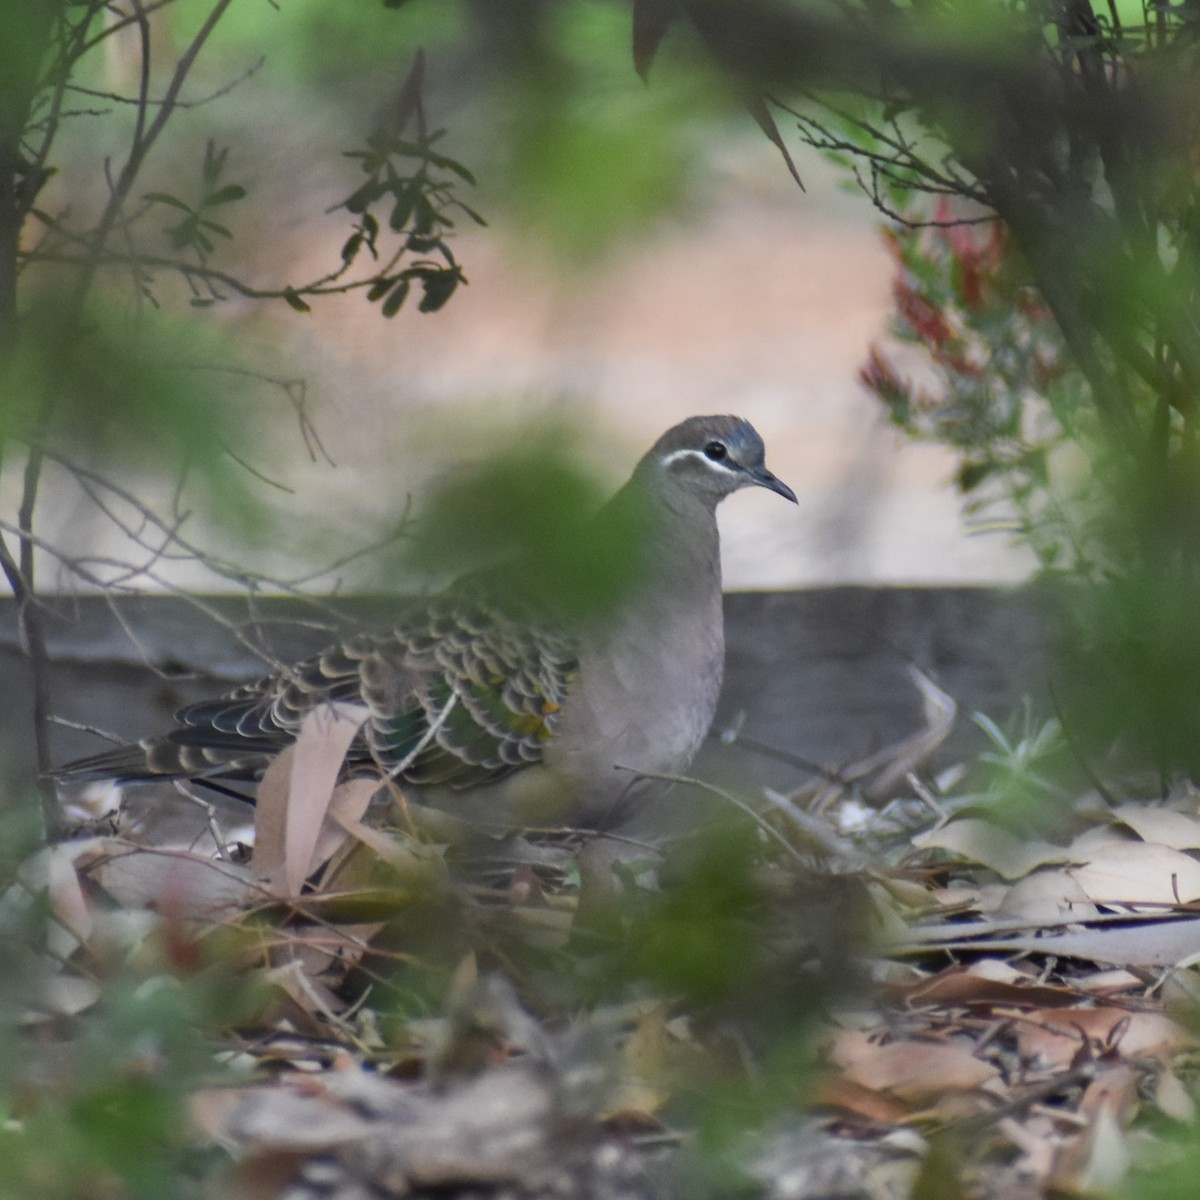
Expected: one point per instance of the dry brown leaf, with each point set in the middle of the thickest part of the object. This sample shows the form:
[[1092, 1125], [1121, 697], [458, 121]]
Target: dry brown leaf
[[1116, 1090], [1161, 943], [296, 794], [1172, 1099], [270, 818], [1094, 1162], [65, 995], [1112, 982], [982, 842], [1052, 1037], [908, 892], [65, 893], [919, 1072], [171, 881], [1035, 1139], [346, 807], [1098, 836], [1139, 873], [986, 982], [209, 1109], [643, 1081], [1046, 895], [887, 921], [309, 1005], [951, 1107], [847, 1045], [984, 898], [325, 735], [877, 1107], [991, 897], [298, 1116], [1152, 823], [957, 896]]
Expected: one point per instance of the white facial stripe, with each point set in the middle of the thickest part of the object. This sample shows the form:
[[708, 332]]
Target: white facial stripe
[[699, 455]]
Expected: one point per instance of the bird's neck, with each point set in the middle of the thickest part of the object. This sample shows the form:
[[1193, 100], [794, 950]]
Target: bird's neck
[[675, 535]]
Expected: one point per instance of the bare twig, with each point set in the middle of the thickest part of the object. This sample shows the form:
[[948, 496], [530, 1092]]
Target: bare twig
[[219, 93], [729, 798]]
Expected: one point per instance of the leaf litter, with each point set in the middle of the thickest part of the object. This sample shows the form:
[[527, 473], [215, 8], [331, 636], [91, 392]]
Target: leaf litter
[[1003, 1007]]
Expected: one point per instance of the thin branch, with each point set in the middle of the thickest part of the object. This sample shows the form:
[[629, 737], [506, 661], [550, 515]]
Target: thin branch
[[140, 147], [124, 23], [729, 798], [143, 28], [224, 90], [322, 286]]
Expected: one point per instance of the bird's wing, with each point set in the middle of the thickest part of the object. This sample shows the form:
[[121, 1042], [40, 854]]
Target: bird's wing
[[457, 694]]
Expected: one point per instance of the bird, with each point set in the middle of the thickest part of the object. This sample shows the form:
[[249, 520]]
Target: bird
[[485, 691]]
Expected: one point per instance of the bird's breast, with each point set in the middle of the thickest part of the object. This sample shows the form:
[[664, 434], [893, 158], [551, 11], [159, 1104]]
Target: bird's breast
[[642, 701]]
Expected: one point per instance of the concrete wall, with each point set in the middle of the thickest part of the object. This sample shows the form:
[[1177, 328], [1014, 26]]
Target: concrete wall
[[820, 674]]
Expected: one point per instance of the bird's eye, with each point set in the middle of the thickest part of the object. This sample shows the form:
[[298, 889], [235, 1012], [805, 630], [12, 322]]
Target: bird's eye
[[716, 451]]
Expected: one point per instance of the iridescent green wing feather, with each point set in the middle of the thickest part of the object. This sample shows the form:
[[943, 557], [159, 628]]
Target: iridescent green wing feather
[[457, 694]]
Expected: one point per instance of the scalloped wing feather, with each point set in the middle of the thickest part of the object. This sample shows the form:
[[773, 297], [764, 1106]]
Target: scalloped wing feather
[[455, 696]]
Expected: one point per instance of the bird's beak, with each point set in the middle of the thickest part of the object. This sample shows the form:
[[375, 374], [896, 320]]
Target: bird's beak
[[764, 478]]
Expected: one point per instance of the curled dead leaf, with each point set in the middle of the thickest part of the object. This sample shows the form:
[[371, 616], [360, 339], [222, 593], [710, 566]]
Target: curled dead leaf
[[919, 1073], [1139, 873], [296, 795], [1046, 895], [1166, 826], [982, 842], [1172, 1099], [1052, 1038]]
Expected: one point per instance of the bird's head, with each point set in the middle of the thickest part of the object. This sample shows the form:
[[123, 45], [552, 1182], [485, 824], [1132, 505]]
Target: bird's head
[[711, 457]]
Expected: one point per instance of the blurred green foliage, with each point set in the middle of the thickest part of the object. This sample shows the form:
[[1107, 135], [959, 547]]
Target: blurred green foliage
[[1043, 227], [525, 513], [595, 153], [95, 1102], [330, 51], [1059, 333]]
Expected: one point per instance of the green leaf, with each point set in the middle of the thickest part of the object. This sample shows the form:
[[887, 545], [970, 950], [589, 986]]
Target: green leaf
[[182, 235], [214, 161], [361, 197], [425, 218], [651, 19], [403, 208], [380, 288], [762, 116], [173, 201], [215, 228], [295, 301], [225, 195], [972, 474], [476, 217], [450, 164], [394, 302], [438, 289], [409, 100]]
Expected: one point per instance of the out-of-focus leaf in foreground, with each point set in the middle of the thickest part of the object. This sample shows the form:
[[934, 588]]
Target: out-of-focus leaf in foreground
[[530, 508], [160, 399], [595, 152]]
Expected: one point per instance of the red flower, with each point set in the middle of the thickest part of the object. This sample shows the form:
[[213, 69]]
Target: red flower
[[926, 322]]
